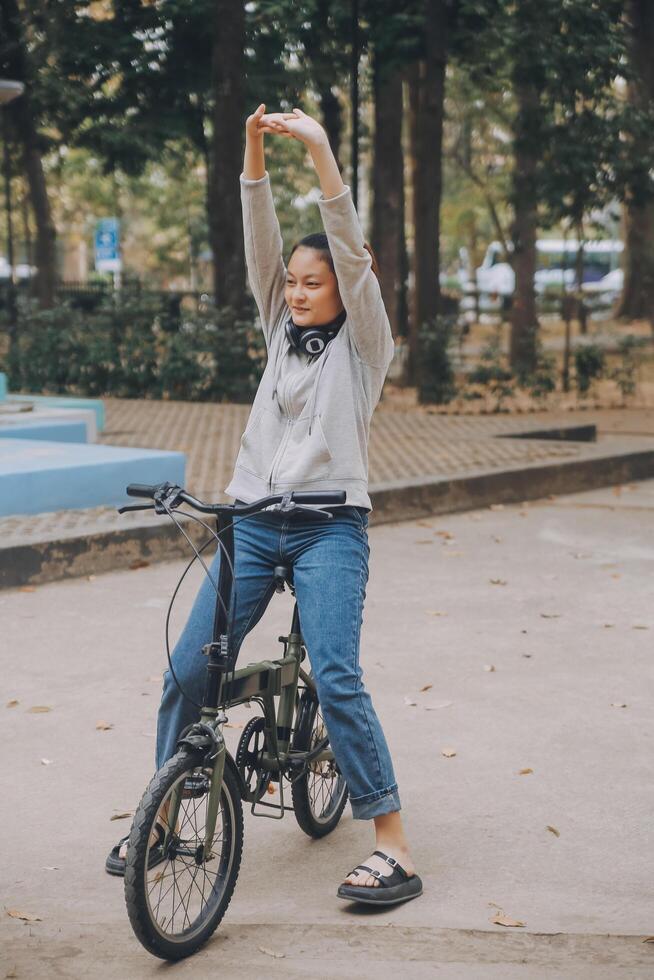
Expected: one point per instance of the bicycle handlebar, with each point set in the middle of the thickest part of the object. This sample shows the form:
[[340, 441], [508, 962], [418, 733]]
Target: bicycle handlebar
[[174, 494]]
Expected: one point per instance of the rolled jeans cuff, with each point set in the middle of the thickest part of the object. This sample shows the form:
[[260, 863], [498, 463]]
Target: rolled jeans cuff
[[376, 804]]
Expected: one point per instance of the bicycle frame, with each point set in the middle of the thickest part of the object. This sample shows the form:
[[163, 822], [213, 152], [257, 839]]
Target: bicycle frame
[[226, 687]]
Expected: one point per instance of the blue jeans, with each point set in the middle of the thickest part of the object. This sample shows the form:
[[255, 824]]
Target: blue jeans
[[329, 559]]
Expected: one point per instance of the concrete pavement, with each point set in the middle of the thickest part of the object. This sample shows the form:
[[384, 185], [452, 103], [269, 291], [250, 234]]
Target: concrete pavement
[[556, 596]]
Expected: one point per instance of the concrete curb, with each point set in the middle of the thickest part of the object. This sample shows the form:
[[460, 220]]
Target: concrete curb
[[156, 539]]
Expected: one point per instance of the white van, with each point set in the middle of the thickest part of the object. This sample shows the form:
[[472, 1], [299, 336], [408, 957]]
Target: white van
[[555, 266]]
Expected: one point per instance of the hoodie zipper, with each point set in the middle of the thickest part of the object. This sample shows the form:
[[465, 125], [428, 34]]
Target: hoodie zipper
[[282, 446]]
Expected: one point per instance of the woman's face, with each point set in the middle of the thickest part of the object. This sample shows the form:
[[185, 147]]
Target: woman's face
[[311, 289]]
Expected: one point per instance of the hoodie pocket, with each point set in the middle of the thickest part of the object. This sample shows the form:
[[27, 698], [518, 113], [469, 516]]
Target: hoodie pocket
[[306, 457], [259, 443]]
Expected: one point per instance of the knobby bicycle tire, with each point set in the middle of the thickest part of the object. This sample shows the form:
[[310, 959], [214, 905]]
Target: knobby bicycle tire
[[320, 794], [141, 883]]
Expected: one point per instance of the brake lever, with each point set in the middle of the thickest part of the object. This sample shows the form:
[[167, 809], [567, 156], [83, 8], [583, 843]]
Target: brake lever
[[167, 500], [122, 510], [315, 511]]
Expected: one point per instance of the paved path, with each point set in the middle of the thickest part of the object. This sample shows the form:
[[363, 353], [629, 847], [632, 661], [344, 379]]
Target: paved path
[[556, 596]]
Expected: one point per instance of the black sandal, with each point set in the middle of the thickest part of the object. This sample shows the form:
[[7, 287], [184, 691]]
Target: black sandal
[[115, 865], [393, 889]]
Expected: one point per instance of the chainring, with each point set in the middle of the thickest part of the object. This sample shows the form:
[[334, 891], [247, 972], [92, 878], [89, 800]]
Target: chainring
[[248, 755]]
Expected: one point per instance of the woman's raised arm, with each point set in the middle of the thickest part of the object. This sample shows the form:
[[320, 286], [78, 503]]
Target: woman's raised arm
[[261, 233], [367, 320]]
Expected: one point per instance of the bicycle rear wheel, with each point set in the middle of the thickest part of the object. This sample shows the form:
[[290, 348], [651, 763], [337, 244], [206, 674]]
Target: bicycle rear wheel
[[320, 794], [177, 901]]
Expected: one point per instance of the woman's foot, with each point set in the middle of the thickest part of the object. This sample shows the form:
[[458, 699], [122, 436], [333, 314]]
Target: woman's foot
[[390, 839], [364, 879]]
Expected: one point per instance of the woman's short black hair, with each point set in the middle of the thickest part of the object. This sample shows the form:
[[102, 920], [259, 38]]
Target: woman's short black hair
[[319, 242]]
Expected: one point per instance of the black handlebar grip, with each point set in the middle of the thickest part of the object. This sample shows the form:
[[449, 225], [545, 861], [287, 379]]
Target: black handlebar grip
[[315, 497], [141, 490]]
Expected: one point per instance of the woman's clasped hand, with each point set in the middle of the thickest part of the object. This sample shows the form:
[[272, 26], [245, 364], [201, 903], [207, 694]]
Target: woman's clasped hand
[[296, 125]]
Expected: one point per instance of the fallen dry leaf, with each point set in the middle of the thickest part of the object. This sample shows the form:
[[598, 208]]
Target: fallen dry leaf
[[27, 588], [609, 626], [427, 687], [271, 788], [12, 703], [229, 724], [271, 952], [497, 507], [424, 524], [46, 762], [551, 615], [410, 702], [616, 575], [497, 581], [496, 539], [452, 554], [553, 830], [39, 709], [122, 816], [525, 772], [640, 627], [446, 535], [139, 563], [505, 920], [617, 491], [424, 541], [51, 867], [489, 667], [25, 916], [104, 726], [649, 939], [435, 612], [618, 704], [448, 753]]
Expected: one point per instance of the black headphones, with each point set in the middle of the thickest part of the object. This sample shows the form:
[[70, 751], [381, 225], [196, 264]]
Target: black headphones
[[313, 340]]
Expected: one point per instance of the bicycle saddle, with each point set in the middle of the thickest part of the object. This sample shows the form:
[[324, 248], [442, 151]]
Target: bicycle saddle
[[282, 574]]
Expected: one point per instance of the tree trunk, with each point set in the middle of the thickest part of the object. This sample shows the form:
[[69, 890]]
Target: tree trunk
[[426, 79], [226, 155], [524, 322], [322, 72], [387, 231], [21, 113], [332, 119], [637, 300]]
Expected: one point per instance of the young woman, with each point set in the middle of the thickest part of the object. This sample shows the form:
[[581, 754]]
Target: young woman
[[329, 347]]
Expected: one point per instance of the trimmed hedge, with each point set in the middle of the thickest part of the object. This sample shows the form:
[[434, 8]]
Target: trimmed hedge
[[131, 351]]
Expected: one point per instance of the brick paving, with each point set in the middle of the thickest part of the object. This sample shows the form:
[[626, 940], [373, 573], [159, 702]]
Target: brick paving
[[403, 444]]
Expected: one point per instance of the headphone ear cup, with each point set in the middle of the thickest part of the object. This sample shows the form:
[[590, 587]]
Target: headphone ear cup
[[313, 341]]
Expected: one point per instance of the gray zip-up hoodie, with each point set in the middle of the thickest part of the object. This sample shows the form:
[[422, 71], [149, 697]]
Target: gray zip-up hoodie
[[310, 420]]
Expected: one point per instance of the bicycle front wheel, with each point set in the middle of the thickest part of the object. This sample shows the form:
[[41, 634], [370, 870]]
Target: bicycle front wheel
[[175, 899]]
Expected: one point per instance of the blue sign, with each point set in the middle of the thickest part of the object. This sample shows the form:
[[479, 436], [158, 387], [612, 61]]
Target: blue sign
[[107, 245]]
